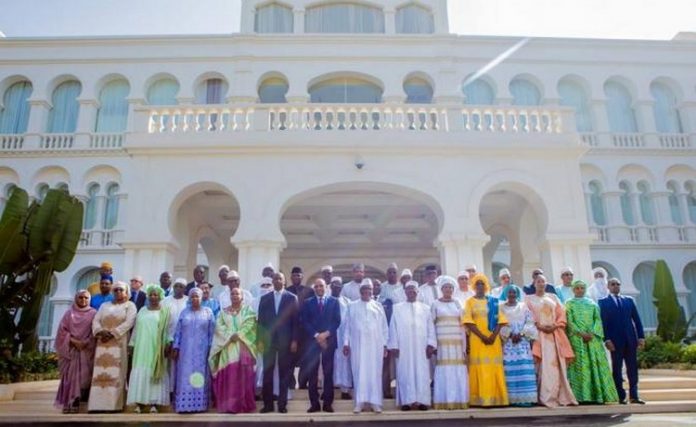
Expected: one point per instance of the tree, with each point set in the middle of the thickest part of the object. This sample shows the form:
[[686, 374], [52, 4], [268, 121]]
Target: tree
[[36, 240], [671, 322]]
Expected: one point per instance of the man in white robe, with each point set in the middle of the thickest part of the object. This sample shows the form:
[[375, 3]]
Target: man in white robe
[[405, 277], [233, 281], [598, 289], [343, 377], [392, 293], [429, 291], [412, 341], [176, 303], [366, 337], [351, 290], [462, 292]]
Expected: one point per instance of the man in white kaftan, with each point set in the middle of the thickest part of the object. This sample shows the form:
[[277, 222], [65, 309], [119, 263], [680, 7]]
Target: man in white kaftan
[[598, 289], [366, 335], [430, 290], [412, 341], [351, 290]]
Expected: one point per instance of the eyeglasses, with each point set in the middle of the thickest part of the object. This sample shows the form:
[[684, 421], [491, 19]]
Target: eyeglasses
[[118, 290]]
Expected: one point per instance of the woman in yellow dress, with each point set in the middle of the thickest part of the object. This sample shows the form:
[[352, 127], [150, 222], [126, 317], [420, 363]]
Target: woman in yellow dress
[[483, 318]]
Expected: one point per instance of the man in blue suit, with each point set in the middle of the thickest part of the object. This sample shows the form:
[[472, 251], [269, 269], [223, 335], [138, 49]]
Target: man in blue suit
[[278, 330], [623, 335], [320, 317]]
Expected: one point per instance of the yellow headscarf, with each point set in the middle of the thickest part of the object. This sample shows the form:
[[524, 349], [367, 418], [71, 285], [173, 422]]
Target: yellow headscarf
[[482, 277]]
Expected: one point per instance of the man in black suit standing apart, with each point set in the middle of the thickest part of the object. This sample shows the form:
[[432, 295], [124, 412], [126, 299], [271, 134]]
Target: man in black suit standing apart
[[623, 336], [137, 296], [320, 317], [278, 328]]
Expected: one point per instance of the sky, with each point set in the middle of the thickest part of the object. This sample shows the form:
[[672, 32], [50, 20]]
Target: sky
[[622, 19]]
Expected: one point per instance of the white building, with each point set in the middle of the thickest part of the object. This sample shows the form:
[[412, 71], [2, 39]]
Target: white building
[[330, 133]]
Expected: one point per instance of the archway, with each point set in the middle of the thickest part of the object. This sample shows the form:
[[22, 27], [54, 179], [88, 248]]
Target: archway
[[203, 218], [515, 217], [372, 223]]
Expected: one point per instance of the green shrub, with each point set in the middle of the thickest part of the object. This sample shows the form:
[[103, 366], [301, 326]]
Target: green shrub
[[688, 354], [658, 352], [32, 366]]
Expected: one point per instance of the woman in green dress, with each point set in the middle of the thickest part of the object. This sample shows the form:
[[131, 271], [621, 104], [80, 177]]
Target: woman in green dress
[[589, 376], [149, 381]]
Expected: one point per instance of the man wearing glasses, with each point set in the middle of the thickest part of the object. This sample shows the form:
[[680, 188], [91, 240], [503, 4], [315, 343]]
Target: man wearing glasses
[[565, 290]]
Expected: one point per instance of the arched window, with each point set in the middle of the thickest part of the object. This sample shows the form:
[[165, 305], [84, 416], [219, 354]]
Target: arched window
[[691, 200], [14, 116], [273, 90], [626, 204], [345, 90], [597, 203], [647, 213], [90, 276], [111, 210], [690, 283], [273, 18], [91, 208], [163, 92], [414, 19], [63, 115], [63, 186], [611, 270], [573, 95], [644, 280], [418, 91], [344, 18], [674, 209], [478, 92], [41, 191], [211, 91], [524, 92], [620, 108], [665, 109], [112, 115]]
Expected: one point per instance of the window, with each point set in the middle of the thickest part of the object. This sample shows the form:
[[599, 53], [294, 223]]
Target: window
[[344, 18], [163, 92], [91, 207], [87, 278], [63, 186], [620, 108], [63, 115], [112, 115], [111, 210], [211, 91], [524, 93], [665, 109], [273, 18], [345, 90], [674, 209], [418, 91], [647, 213], [691, 201], [14, 117], [644, 279], [478, 92], [690, 283], [573, 95], [626, 204], [597, 204], [273, 90], [414, 19]]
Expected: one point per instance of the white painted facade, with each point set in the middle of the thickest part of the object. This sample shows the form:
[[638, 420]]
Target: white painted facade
[[314, 183]]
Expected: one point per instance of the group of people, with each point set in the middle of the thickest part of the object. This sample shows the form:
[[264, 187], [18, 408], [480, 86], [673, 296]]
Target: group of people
[[449, 343]]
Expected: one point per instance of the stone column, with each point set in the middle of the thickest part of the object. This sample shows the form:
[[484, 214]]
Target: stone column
[[645, 117], [253, 256], [561, 251], [298, 25], [39, 110], [687, 113], [86, 122], [457, 252], [389, 20], [148, 259]]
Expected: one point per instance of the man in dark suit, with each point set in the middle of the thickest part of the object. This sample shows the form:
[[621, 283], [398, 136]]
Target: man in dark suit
[[137, 295], [529, 289], [198, 278], [278, 330], [623, 336], [320, 317], [303, 293]]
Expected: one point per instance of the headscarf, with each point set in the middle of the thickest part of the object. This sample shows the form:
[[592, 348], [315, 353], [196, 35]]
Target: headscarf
[[446, 281], [482, 277], [510, 288], [197, 291], [504, 272], [152, 287], [77, 294], [491, 302], [366, 283], [77, 323], [411, 284], [179, 281], [406, 272], [122, 285]]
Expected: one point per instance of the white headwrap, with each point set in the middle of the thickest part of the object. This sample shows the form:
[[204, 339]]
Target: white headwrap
[[366, 283], [463, 274], [327, 268], [180, 281], [233, 275], [568, 270], [223, 267], [471, 267], [446, 280], [337, 279], [266, 281], [600, 270], [411, 284], [503, 272], [406, 272]]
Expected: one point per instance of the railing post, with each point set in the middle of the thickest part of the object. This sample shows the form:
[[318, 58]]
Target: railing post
[[261, 119]]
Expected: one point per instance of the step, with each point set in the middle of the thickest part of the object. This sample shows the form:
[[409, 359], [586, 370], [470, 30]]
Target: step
[[668, 395], [665, 383]]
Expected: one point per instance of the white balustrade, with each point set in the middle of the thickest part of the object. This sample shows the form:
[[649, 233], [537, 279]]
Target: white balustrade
[[57, 141], [628, 140], [99, 238], [106, 140], [46, 344], [674, 140], [11, 142], [590, 139], [199, 118], [510, 119]]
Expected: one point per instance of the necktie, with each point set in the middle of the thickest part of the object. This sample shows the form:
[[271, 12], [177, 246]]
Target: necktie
[[618, 302], [321, 305]]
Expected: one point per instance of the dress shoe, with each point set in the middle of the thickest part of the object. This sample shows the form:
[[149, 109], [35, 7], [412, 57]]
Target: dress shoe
[[638, 401], [328, 408], [345, 396], [623, 402], [283, 410], [422, 407], [313, 409], [405, 407], [266, 409]]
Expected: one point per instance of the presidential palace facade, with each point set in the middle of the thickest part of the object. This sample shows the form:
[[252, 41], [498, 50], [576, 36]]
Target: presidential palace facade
[[332, 132]]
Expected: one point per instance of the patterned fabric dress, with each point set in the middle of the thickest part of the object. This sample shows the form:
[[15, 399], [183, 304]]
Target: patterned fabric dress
[[518, 361], [193, 336], [589, 376], [451, 381], [111, 357], [486, 374]]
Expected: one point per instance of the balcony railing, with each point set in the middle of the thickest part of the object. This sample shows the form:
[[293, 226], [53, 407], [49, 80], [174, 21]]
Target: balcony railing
[[57, 141], [645, 234], [90, 239], [640, 141], [11, 142]]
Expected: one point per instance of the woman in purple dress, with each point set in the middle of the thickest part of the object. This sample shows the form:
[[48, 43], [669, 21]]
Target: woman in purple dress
[[194, 333]]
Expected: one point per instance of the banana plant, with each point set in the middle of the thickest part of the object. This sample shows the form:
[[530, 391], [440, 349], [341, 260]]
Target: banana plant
[[36, 240]]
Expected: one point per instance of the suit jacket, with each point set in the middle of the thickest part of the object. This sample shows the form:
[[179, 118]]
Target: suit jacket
[[621, 326], [138, 299], [278, 330], [314, 322], [529, 289], [303, 293]]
